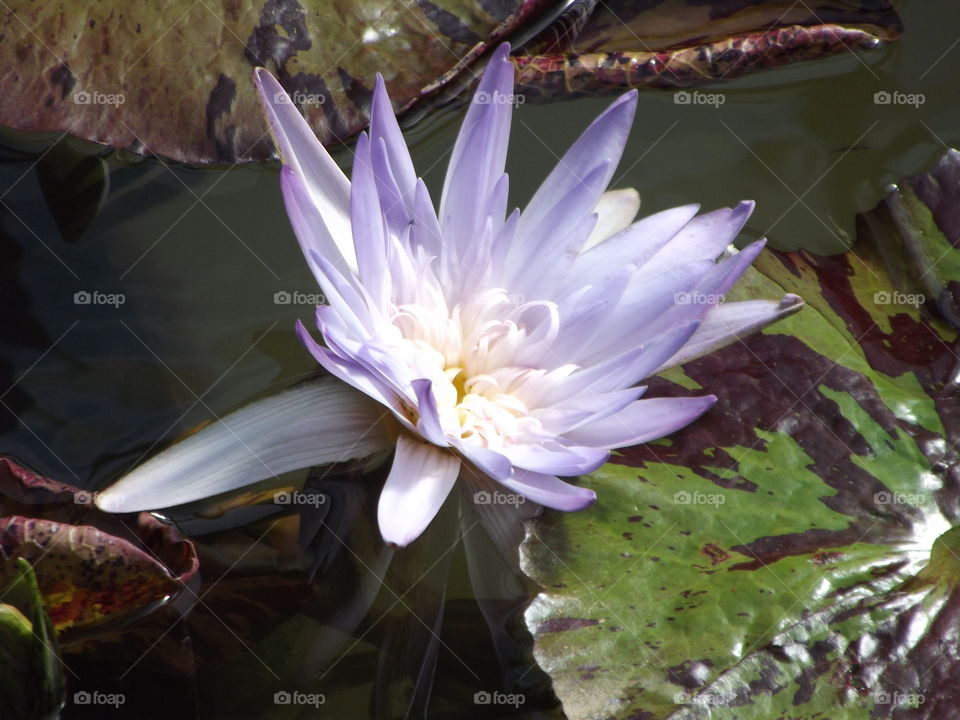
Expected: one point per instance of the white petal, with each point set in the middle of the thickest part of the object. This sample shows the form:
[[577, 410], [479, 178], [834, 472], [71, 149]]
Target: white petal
[[731, 321], [325, 421], [419, 481], [615, 211]]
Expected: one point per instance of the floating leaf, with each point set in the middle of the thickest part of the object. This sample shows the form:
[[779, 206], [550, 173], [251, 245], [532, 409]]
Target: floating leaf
[[173, 78], [31, 681], [796, 553], [91, 567]]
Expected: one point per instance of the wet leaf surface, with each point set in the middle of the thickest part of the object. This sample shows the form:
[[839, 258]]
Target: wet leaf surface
[[114, 72], [31, 678], [92, 568], [795, 553]]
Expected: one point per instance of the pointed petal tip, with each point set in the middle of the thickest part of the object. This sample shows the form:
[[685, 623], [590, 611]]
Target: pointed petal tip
[[587, 498], [262, 77], [790, 302]]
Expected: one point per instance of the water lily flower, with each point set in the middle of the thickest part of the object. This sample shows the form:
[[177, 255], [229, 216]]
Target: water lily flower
[[508, 345]]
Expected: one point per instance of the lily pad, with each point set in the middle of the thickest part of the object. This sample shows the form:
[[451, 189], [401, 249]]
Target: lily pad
[[92, 568], [796, 553], [173, 78], [31, 679]]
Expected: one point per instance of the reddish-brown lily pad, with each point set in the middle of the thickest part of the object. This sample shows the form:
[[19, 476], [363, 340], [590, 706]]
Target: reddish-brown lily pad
[[92, 568], [173, 78]]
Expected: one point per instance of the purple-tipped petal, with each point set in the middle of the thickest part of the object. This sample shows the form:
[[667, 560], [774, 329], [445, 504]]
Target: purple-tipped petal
[[642, 421], [397, 210], [732, 321], [299, 149], [553, 242], [600, 145], [383, 126], [708, 293], [704, 238], [353, 374], [369, 233], [479, 155], [623, 369], [420, 480], [632, 247], [636, 315], [563, 417], [425, 231], [557, 459], [429, 425], [490, 462], [312, 424], [550, 491]]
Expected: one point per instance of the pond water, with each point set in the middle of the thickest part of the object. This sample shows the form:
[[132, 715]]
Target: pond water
[[195, 260]]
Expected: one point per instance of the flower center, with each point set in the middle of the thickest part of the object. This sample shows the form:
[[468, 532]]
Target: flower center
[[481, 356]]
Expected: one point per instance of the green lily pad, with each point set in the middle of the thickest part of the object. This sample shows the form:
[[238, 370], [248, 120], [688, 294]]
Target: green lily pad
[[795, 553]]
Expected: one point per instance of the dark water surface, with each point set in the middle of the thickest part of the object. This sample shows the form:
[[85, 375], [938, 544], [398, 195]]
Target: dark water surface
[[197, 258]]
